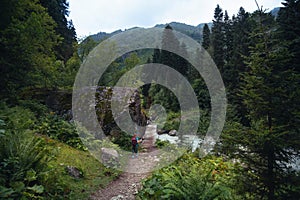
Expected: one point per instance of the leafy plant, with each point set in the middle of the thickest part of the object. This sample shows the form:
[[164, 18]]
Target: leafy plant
[[23, 161], [122, 139], [59, 129], [173, 121], [192, 178], [160, 143]]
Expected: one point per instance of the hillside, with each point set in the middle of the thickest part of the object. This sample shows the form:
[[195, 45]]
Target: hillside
[[194, 32]]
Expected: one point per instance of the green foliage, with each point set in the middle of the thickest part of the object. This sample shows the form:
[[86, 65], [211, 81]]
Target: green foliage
[[160, 143], [172, 122], [58, 10], [23, 156], [28, 40], [288, 30], [217, 42], [2, 126], [261, 84], [192, 178], [85, 47], [33, 167], [17, 118], [57, 128], [23, 164], [34, 106], [60, 185], [206, 37], [122, 139]]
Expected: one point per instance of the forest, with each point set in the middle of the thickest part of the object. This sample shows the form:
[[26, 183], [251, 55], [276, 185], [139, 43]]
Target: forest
[[256, 157]]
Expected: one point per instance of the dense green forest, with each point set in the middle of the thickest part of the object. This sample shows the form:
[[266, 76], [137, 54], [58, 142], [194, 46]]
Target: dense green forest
[[257, 54]]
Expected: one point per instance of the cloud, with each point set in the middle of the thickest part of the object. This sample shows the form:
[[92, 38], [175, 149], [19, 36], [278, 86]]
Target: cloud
[[92, 16]]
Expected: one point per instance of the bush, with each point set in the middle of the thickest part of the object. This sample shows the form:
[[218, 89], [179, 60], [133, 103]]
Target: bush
[[122, 139], [36, 107], [57, 128], [192, 178], [160, 143], [173, 121], [23, 161], [17, 118], [26, 171]]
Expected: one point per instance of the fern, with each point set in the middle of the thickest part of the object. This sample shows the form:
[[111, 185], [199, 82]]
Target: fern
[[192, 178]]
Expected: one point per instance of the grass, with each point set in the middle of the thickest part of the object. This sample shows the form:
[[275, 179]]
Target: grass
[[95, 175]]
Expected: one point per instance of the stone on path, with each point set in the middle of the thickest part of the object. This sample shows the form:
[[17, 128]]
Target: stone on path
[[109, 157], [129, 182], [119, 197]]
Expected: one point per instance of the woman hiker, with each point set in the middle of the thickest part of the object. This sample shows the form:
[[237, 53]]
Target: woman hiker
[[135, 140]]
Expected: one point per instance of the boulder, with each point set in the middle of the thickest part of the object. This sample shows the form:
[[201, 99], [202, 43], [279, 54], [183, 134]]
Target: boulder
[[74, 172], [172, 133], [110, 157]]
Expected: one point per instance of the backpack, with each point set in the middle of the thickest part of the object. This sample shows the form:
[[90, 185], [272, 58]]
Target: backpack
[[133, 141]]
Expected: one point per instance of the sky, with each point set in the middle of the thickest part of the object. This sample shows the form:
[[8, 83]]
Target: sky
[[93, 16]]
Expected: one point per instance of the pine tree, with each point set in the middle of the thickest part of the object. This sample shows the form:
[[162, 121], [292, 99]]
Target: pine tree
[[239, 42], [289, 29], [27, 49], [271, 141], [58, 10], [228, 38], [217, 41], [206, 37]]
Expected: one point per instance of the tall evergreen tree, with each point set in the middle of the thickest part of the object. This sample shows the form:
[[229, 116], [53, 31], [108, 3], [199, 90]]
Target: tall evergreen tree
[[27, 48], [206, 37], [269, 144], [228, 38], [289, 29], [239, 42], [58, 10], [217, 41]]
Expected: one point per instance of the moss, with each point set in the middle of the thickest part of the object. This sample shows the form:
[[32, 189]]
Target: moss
[[95, 175]]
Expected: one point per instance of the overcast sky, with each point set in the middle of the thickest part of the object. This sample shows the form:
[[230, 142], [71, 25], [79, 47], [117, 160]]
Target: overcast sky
[[93, 16]]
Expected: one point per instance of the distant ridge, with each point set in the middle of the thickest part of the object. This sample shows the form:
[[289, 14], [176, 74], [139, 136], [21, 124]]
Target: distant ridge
[[194, 32]]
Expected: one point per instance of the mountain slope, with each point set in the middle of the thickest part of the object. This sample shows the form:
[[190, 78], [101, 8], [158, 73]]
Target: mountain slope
[[194, 32]]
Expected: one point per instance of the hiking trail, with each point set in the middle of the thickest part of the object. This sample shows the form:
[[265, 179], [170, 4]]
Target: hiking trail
[[126, 186]]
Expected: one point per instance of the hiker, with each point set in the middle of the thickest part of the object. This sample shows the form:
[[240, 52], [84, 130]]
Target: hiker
[[135, 140]]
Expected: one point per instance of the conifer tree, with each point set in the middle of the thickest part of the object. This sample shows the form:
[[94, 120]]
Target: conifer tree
[[217, 42], [269, 143], [206, 37], [58, 10], [27, 47]]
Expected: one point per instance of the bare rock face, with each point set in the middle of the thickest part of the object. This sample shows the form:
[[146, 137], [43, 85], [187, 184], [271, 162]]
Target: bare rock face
[[110, 157], [172, 133], [74, 172]]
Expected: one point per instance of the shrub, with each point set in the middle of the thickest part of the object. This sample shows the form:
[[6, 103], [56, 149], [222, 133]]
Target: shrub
[[17, 118], [57, 128], [173, 121], [23, 161], [192, 178], [122, 139], [36, 107], [160, 143]]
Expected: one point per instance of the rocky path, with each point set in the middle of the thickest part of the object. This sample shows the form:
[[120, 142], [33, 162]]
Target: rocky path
[[129, 182]]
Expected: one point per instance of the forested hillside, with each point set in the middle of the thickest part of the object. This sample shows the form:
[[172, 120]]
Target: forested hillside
[[258, 57], [257, 156]]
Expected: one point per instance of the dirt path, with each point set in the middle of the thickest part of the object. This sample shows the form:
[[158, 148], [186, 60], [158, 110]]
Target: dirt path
[[128, 183]]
